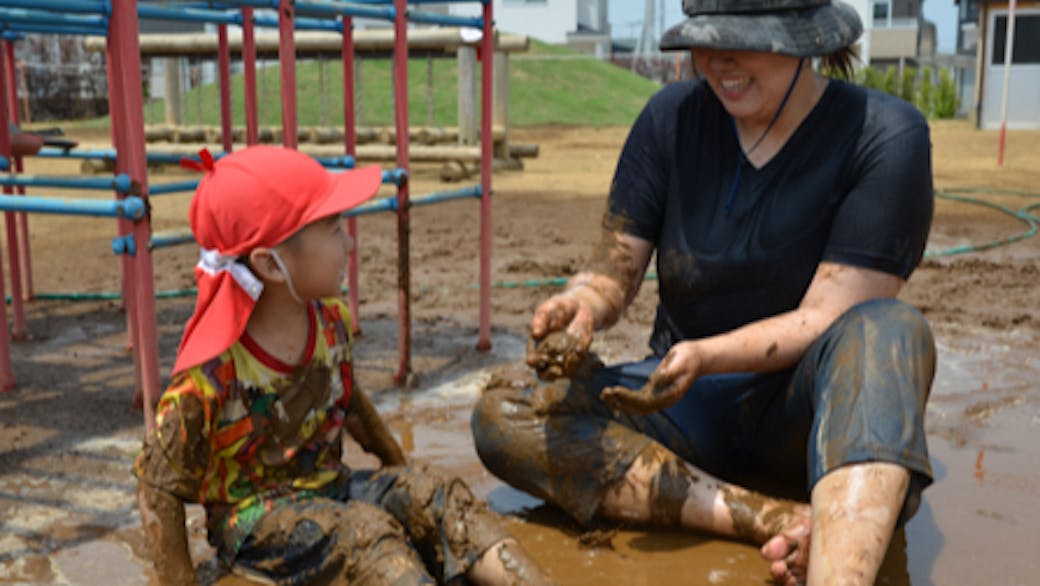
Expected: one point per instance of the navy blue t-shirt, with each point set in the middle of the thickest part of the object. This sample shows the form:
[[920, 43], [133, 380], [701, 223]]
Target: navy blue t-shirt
[[852, 185]]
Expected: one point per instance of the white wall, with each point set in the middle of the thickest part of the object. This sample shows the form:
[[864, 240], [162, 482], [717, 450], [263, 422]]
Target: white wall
[[546, 20], [865, 10]]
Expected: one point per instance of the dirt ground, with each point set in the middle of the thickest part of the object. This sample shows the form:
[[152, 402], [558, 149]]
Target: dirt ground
[[68, 433]]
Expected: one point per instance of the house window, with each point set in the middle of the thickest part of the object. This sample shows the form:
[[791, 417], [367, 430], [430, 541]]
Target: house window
[[882, 13], [1027, 40]]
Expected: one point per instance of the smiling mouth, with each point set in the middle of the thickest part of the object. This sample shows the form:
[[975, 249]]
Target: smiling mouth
[[734, 84]]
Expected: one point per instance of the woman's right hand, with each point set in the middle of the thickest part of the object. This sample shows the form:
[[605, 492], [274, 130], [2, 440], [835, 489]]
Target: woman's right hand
[[567, 313]]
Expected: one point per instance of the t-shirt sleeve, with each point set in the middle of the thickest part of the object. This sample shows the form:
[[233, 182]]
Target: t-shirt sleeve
[[884, 219], [637, 193], [175, 456]]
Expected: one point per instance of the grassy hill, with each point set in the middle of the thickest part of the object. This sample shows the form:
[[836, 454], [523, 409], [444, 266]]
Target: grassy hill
[[548, 85]]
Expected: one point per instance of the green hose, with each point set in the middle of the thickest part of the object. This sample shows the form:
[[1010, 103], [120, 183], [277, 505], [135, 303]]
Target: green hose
[[1023, 214]]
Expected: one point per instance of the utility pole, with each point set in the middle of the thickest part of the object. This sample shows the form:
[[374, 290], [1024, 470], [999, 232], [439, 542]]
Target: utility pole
[[646, 46]]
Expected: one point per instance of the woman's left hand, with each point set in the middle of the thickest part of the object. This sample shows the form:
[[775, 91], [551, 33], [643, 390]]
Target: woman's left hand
[[673, 377]]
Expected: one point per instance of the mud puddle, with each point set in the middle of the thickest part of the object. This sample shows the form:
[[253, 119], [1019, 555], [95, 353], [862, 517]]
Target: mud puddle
[[69, 517]]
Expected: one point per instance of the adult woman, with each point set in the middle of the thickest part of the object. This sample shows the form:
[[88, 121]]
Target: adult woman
[[786, 211]]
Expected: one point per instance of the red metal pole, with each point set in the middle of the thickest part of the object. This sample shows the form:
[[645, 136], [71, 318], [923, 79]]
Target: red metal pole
[[123, 226], [224, 64], [11, 220], [123, 38], [486, 154], [287, 60], [7, 381], [249, 75], [350, 143], [404, 316], [23, 219]]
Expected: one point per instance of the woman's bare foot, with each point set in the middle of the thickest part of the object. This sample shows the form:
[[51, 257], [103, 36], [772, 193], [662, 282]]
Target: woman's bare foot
[[788, 551]]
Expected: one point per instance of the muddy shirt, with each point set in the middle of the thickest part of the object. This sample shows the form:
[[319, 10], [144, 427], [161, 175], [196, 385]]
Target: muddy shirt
[[852, 185], [245, 431]]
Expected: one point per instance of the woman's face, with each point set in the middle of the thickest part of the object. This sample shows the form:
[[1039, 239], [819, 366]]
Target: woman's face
[[750, 84]]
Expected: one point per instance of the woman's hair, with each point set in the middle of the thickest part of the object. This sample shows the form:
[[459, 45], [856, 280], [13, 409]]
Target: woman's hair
[[839, 63]]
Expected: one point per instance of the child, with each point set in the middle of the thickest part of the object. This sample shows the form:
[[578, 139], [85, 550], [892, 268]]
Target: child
[[251, 426]]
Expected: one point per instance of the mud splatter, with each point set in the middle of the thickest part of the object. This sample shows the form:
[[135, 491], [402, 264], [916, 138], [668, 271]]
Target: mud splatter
[[669, 488], [744, 508], [597, 539]]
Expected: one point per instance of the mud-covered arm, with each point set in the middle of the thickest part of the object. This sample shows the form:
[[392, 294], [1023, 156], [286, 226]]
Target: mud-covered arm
[[370, 431], [596, 297], [169, 471], [766, 345], [162, 516]]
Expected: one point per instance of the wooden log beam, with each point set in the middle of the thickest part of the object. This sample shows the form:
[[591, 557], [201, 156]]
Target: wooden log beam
[[445, 40]]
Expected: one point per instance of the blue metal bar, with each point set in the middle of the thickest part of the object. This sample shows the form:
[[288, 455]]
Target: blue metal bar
[[389, 204], [120, 183], [131, 207], [175, 187], [420, 1], [43, 17], [56, 30], [124, 245], [445, 19], [440, 196], [188, 14], [395, 176], [11, 36], [170, 238], [338, 162], [271, 21], [342, 9], [76, 6], [254, 3]]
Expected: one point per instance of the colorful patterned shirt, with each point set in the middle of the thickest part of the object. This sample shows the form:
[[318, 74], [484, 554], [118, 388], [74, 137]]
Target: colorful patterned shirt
[[246, 432]]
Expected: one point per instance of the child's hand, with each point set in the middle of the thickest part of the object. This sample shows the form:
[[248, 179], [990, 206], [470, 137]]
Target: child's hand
[[371, 433]]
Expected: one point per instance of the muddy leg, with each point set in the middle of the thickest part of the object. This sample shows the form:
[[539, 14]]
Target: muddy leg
[[855, 509], [508, 564], [662, 490], [451, 528], [329, 542]]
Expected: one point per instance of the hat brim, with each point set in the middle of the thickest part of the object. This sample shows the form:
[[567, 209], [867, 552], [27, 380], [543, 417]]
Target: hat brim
[[346, 191], [811, 32]]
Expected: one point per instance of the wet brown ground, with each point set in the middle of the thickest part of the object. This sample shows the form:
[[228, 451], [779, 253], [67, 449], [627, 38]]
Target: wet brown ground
[[68, 434]]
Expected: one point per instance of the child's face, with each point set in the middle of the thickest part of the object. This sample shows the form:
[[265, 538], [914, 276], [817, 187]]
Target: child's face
[[316, 256]]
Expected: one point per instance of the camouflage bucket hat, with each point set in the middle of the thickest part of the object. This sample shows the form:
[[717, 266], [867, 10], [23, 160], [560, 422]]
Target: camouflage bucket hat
[[800, 28]]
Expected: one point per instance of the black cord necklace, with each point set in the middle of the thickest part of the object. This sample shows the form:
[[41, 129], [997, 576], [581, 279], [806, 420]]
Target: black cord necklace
[[744, 155]]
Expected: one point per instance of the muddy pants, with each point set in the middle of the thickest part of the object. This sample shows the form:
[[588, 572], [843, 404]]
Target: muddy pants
[[857, 395], [398, 526]]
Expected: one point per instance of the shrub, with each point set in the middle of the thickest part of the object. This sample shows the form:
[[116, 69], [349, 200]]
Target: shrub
[[946, 101], [907, 84], [926, 94]]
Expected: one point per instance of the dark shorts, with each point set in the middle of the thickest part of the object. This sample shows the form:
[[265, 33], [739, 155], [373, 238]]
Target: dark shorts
[[399, 526], [857, 395]]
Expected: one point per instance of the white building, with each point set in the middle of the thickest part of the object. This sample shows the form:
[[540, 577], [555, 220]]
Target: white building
[[581, 24]]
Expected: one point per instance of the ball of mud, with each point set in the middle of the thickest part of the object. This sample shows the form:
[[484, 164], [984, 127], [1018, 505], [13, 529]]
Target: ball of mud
[[558, 355]]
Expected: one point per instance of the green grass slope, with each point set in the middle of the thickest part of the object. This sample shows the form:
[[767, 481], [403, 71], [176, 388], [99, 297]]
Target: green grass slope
[[548, 85]]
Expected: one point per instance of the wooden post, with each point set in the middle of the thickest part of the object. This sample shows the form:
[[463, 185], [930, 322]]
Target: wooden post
[[501, 99], [467, 66], [172, 75]]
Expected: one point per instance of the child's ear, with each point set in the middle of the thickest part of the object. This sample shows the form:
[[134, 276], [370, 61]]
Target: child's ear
[[264, 265]]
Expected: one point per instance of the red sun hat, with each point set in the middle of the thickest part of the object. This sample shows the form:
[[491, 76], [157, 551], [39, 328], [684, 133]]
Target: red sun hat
[[255, 197]]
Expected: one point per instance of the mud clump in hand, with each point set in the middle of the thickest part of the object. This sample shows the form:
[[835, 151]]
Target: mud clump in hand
[[557, 355]]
